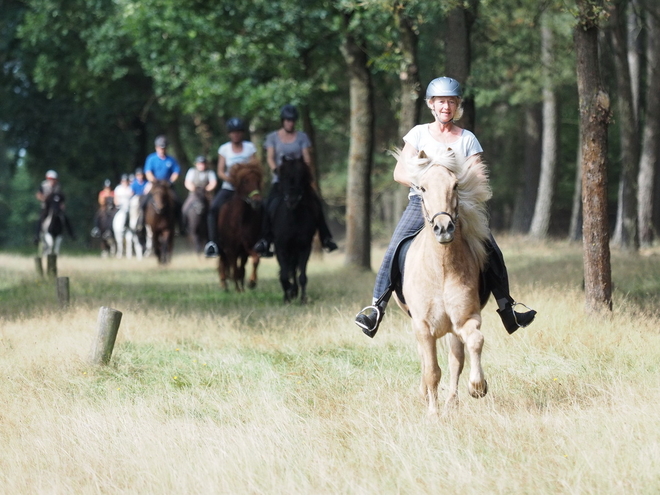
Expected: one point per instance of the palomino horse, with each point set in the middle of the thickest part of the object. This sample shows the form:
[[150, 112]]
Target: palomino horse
[[53, 225], [159, 219], [195, 210], [239, 226], [294, 225], [442, 269]]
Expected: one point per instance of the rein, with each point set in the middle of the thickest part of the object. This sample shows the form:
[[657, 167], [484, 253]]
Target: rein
[[428, 217]]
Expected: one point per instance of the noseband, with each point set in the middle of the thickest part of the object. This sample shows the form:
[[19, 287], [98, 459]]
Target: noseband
[[428, 217]]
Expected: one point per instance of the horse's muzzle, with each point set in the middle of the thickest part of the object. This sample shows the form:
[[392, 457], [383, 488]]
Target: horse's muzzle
[[444, 233]]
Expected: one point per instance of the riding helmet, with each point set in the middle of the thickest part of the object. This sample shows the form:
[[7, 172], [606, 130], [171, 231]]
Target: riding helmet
[[289, 112], [443, 86], [107, 183], [160, 142], [235, 124], [200, 159], [51, 174], [139, 171], [124, 177]]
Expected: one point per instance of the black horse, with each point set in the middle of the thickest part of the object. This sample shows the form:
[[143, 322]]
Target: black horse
[[294, 225], [104, 218], [53, 224]]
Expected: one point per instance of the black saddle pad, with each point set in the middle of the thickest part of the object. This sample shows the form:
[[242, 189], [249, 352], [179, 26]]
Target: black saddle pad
[[397, 271]]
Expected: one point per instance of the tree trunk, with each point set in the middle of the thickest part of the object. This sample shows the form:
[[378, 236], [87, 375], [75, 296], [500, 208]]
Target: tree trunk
[[575, 228], [410, 98], [358, 193], [543, 208], [594, 119], [458, 55], [634, 48], [625, 233], [523, 208], [651, 136]]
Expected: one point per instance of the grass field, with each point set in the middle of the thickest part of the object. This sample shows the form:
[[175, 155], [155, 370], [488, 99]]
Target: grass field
[[212, 392]]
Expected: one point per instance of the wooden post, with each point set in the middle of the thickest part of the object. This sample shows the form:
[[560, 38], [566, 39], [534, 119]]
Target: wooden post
[[51, 266], [107, 328], [63, 291], [39, 266]]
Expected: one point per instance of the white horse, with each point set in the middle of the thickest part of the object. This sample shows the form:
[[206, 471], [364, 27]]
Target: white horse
[[124, 226]]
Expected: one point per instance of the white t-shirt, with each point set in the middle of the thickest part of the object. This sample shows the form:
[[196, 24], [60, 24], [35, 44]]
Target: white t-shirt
[[419, 137], [232, 158], [123, 195]]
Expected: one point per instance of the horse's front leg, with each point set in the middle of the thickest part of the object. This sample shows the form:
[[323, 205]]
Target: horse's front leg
[[255, 258], [431, 373], [129, 244], [302, 278], [471, 334], [239, 273], [456, 362], [222, 271]]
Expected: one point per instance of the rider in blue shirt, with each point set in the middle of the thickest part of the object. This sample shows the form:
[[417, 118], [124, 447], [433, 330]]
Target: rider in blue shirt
[[139, 183], [159, 165]]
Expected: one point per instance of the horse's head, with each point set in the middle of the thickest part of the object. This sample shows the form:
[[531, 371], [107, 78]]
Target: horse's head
[[160, 195], [54, 202], [247, 182], [295, 179], [448, 186]]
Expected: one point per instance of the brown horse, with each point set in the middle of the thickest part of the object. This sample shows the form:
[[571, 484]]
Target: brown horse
[[159, 219], [442, 269], [239, 226]]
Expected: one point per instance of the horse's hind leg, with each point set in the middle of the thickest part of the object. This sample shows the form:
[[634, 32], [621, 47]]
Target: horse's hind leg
[[456, 362], [426, 345], [252, 283], [471, 334]]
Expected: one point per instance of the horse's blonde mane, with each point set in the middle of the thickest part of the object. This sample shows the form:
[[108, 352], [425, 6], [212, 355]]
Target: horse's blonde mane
[[473, 193]]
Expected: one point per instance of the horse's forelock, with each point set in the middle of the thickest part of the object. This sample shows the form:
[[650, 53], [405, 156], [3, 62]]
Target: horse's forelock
[[238, 172]]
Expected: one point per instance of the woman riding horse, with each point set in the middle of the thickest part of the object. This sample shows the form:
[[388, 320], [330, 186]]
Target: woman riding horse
[[443, 97], [293, 144]]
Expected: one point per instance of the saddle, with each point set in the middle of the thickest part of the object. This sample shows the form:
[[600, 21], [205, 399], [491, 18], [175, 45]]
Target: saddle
[[397, 272]]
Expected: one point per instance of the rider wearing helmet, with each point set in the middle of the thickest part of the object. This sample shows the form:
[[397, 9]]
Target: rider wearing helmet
[[106, 200], [289, 142], [139, 182], [443, 98], [161, 166], [123, 193], [236, 151], [47, 187], [197, 177]]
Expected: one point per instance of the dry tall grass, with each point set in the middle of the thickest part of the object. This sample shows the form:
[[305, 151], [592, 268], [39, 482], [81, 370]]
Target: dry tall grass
[[224, 393]]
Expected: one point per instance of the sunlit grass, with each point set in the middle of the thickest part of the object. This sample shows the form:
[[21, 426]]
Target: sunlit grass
[[213, 392]]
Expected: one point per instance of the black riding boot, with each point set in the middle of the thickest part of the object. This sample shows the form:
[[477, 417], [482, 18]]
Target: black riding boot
[[497, 281]]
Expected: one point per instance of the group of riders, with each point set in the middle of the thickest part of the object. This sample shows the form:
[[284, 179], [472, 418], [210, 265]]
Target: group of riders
[[443, 97], [160, 166]]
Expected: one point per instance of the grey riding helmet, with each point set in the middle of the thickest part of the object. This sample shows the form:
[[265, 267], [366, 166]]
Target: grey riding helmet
[[443, 86], [160, 142]]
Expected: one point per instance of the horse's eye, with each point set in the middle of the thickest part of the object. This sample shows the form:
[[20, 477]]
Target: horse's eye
[[455, 186]]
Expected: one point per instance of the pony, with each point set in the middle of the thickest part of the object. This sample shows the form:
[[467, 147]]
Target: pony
[[106, 215], [159, 219], [125, 230], [441, 289], [194, 215], [239, 226], [53, 225], [294, 225]]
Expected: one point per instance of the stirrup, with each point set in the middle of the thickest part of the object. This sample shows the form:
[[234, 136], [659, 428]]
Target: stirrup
[[368, 325], [513, 310], [211, 250]]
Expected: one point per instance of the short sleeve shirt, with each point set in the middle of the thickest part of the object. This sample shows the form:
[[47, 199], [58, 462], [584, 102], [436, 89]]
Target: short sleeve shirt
[[138, 187], [419, 137], [162, 168], [123, 195], [231, 158], [290, 150], [200, 178]]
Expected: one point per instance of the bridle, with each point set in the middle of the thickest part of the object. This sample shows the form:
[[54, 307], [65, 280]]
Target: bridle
[[420, 190]]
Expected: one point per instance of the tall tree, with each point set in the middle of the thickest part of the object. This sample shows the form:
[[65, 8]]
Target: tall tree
[[358, 192], [550, 140], [594, 120], [625, 232], [523, 209], [650, 155]]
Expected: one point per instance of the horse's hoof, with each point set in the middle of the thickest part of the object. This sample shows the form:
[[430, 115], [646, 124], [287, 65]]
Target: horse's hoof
[[252, 284], [478, 391]]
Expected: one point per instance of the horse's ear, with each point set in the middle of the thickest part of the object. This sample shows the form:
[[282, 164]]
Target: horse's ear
[[422, 155]]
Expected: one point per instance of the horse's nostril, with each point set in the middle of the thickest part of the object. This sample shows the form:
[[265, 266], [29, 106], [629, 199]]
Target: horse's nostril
[[451, 227]]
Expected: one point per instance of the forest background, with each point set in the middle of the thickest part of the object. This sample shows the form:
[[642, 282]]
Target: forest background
[[86, 85]]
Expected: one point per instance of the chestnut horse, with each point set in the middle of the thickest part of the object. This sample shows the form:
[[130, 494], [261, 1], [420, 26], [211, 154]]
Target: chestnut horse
[[239, 226], [442, 269], [159, 219]]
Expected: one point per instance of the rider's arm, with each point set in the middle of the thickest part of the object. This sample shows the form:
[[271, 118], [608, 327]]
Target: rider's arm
[[188, 183], [212, 181], [222, 168], [400, 172], [174, 177], [270, 157]]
